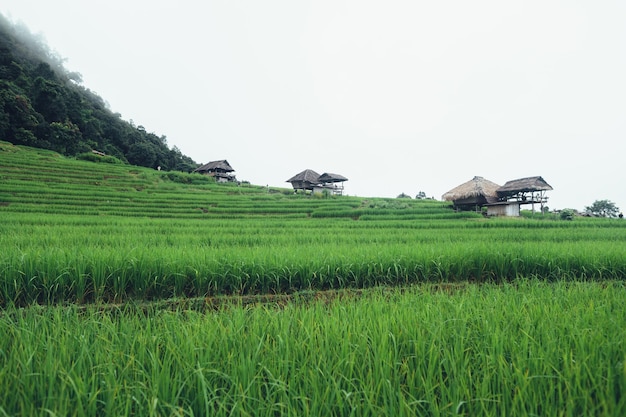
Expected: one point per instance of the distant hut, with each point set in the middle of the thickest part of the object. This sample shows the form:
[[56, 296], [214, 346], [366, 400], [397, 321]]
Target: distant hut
[[473, 194], [530, 190], [220, 170], [331, 182], [305, 180]]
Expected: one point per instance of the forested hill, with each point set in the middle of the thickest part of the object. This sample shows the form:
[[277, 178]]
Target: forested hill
[[43, 105]]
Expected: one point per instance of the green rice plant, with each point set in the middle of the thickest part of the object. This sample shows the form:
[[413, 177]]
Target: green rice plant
[[103, 260], [524, 348], [78, 232]]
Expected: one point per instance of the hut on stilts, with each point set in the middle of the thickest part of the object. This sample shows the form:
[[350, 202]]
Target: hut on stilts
[[309, 180], [305, 180], [530, 190], [503, 200], [473, 194]]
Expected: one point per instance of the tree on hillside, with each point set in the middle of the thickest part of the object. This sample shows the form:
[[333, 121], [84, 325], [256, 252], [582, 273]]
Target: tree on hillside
[[603, 208], [141, 153], [43, 105]]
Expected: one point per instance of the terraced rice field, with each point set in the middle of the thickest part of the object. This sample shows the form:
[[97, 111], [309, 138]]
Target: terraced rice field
[[130, 291]]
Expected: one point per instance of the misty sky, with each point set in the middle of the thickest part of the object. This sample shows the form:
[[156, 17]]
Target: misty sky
[[397, 96]]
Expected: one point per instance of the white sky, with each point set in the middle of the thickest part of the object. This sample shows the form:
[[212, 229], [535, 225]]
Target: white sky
[[397, 96]]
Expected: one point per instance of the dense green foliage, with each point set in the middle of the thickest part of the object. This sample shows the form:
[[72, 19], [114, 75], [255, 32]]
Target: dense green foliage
[[129, 291], [603, 208], [43, 105], [567, 214]]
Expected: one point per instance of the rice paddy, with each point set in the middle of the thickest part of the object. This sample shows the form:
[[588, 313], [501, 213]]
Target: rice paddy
[[123, 291]]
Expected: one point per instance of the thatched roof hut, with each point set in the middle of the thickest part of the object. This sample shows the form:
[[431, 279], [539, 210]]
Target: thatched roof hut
[[331, 182], [523, 185], [221, 170], [327, 177], [215, 166], [476, 192], [530, 190], [312, 181], [305, 180]]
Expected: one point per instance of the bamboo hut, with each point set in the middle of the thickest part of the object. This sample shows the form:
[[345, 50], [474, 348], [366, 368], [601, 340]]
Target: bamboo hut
[[473, 194]]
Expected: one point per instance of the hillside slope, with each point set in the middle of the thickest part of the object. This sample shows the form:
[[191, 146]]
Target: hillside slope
[[43, 105], [40, 181], [79, 230]]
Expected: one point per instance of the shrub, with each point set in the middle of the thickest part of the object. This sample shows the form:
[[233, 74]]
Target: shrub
[[567, 214], [184, 178], [107, 159]]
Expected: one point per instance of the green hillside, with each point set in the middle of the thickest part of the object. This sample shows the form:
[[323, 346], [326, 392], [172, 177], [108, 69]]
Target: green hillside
[[44, 105], [40, 181]]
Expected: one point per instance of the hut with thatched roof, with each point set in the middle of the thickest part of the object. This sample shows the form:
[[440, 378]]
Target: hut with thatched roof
[[331, 182], [530, 190], [305, 180], [309, 180], [220, 170], [503, 200], [518, 189], [473, 194]]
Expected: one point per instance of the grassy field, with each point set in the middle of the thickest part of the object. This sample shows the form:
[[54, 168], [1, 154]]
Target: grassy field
[[529, 348], [131, 291]]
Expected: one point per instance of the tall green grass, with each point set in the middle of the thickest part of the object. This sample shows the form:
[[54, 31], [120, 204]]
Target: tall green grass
[[528, 348], [59, 258]]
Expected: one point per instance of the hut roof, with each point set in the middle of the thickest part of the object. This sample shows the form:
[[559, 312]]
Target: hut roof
[[477, 186], [524, 185], [328, 177], [308, 175], [215, 165]]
